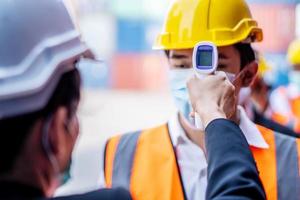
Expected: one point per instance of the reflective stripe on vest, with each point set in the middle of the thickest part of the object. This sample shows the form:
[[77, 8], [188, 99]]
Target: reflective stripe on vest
[[124, 160], [144, 163]]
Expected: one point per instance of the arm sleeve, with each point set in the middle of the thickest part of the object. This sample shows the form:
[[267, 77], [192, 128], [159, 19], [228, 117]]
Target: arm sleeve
[[232, 172]]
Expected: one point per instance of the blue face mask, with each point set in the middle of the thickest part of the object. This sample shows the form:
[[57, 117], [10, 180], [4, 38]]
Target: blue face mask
[[178, 79]]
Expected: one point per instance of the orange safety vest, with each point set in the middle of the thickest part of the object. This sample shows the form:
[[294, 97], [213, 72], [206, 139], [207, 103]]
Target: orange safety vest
[[145, 163], [292, 120]]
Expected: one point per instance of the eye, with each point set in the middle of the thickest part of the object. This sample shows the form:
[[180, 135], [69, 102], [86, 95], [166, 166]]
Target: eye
[[182, 66]]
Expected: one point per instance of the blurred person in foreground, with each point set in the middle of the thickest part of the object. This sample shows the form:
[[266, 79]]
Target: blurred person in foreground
[[39, 96], [169, 161]]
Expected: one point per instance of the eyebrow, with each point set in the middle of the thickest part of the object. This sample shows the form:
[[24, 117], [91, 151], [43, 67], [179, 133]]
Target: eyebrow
[[223, 56]]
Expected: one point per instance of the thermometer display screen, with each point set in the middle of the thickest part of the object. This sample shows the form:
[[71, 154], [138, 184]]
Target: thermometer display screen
[[205, 58]]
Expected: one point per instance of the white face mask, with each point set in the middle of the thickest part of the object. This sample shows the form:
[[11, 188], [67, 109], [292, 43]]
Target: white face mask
[[178, 82], [244, 95]]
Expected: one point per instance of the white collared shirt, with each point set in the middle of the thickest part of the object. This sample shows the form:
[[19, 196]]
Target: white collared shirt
[[191, 158]]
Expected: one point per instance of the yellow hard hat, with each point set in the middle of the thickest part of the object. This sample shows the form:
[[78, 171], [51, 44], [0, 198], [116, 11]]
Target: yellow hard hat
[[293, 54], [221, 22]]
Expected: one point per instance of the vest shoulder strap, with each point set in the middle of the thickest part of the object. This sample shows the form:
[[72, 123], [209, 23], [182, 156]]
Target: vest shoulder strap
[[119, 155]]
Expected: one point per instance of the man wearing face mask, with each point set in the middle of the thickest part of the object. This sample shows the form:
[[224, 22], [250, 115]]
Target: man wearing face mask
[[168, 161], [39, 96], [285, 101]]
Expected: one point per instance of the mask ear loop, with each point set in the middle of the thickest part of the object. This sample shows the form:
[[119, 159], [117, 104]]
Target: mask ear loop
[[47, 147]]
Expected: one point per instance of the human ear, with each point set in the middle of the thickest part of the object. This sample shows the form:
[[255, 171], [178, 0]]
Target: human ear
[[249, 73]]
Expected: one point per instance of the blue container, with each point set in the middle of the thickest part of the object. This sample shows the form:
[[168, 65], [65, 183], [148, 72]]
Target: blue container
[[131, 36]]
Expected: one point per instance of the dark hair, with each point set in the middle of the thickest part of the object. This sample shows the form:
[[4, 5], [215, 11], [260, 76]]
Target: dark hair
[[167, 53], [14, 131], [247, 54]]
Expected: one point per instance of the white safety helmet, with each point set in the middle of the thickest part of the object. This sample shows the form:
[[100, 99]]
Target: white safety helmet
[[38, 43]]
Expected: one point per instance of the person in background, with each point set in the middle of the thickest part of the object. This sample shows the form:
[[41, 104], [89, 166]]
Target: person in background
[[256, 101], [39, 97], [285, 100]]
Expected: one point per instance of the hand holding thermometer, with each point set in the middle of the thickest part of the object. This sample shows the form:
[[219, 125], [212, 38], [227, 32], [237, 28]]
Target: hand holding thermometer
[[205, 62]]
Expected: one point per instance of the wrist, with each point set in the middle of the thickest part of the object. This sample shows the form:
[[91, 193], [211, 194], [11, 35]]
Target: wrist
[[211, 117], [208, 114]]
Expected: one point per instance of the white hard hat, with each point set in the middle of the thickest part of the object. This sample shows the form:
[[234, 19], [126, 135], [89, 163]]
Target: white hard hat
[[38, 43]]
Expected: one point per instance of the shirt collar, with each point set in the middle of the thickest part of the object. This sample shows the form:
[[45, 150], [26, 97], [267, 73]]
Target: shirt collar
[[250, 130], [176, 130]]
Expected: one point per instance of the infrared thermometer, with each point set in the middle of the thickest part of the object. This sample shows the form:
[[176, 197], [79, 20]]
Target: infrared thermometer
[[205, 58], [205, 62]]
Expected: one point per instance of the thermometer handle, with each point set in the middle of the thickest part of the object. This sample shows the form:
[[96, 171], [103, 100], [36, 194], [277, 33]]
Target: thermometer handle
[[206, 52]]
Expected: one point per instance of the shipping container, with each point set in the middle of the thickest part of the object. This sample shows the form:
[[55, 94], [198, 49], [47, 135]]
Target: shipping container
[[278, 23], [131, 35], [139, 71]]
